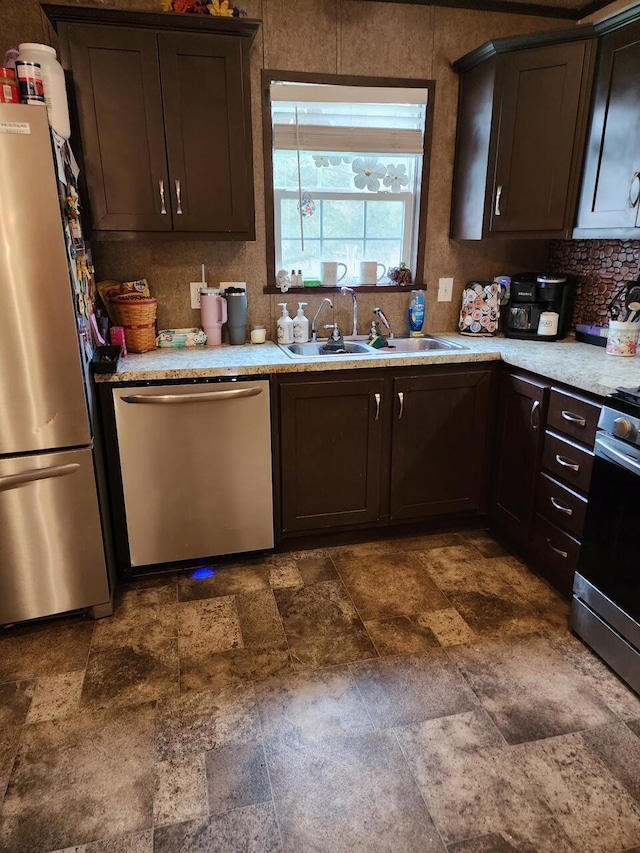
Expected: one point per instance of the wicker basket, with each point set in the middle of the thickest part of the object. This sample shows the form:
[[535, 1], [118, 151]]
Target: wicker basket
[[138, 316]]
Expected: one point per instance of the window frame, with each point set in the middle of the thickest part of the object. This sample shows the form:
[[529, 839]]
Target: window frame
[[419, 225]]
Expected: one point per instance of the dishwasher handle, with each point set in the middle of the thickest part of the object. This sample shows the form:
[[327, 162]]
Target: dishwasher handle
[[203, 397]]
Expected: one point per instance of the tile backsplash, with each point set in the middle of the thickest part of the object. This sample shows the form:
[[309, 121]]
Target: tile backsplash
[[600, 267]]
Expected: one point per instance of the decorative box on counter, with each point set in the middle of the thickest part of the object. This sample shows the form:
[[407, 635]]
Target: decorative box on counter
[[480, 308], [181, 338]]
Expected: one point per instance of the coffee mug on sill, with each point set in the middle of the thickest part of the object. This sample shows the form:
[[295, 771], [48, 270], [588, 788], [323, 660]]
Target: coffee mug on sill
[[329, 273], [369, 272]]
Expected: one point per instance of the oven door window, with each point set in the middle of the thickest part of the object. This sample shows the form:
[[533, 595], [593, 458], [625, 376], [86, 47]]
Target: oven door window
[[610, 553]]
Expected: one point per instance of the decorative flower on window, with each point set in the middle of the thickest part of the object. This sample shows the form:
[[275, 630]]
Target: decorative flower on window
[[396, 178], [322, 161], [368, 173], [218, 8]]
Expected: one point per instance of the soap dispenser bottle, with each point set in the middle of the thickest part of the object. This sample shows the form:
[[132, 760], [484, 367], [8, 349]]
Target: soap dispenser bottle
[[285, 326], [301, 325]]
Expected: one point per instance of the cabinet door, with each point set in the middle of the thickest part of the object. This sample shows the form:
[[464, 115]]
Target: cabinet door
[[611, 184], [331, 443], [439, 443], [117, 85], [517, 452], [539, 118], [206, 102]]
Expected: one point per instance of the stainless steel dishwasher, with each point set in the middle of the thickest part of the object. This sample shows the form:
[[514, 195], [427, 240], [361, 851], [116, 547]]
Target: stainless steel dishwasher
[[196, 469]]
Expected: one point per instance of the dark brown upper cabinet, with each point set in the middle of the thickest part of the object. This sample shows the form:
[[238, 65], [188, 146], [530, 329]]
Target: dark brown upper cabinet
[[164, 113], [521, 126], [610, 197]]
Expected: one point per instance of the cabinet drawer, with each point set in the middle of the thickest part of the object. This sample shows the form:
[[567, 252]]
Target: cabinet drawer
[[573, 416], [562, 506], [555, 554], [567, 462]]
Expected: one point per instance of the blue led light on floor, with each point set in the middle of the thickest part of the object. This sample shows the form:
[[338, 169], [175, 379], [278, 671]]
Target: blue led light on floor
[[202, 574]]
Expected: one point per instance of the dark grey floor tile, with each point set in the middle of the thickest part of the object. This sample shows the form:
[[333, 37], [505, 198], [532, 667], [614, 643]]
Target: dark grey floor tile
[[233, 667], [140, 672], [593, 808], [533, 589], [349, 793], [45, 648], [208, 626], [319, 609], [237, 776], [180, 790], [321, 650], [135, 842], [56, 696], [252, 576], [15, 700], [393, 584], [153, 591], [403, 690], [311, 706], [148, 622], [473, 787], [619, 749], [400, 635], [314, 568], [196, 722], [80, 779], [483, 542], [259, 619], [530, 691], [251, 829]]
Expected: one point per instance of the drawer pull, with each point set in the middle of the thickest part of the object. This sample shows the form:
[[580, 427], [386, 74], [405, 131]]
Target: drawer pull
[[377, 398], [558, 551], [557, 505], [577, 420], [497, 210], [535, 422], [401, 401], [567, 463], [163, 206]]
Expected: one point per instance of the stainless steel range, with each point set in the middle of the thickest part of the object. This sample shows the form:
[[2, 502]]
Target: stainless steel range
[[605, 609]]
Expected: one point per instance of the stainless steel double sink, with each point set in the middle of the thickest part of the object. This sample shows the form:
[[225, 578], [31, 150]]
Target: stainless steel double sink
[[318, 349]]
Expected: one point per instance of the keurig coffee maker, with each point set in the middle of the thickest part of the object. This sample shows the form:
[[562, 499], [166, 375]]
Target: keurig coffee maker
[[540, 307]]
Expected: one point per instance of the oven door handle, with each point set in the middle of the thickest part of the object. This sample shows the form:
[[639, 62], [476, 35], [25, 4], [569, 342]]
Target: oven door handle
[[607, 450]]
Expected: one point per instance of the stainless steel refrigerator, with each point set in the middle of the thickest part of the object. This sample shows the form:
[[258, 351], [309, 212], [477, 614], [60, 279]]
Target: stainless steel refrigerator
[[52, 556]]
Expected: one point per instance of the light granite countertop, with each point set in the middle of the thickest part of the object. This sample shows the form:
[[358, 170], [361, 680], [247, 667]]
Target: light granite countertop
[[581, 366]]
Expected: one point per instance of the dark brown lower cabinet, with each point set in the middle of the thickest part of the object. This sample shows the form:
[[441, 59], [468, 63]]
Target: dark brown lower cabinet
[[330, 450], [439, 443], [522, 410], [370, 450]]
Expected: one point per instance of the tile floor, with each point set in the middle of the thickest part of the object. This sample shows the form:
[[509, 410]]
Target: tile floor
[[415, 695]]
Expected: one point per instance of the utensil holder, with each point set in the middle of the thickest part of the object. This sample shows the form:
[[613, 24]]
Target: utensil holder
[[623, 338]]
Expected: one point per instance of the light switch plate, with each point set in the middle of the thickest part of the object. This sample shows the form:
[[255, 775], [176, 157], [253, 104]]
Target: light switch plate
[[445, 289], [195, 294]]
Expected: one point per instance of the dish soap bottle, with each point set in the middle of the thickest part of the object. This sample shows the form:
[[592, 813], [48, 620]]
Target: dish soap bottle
[[285, 325], [416, 313], [301, 325]]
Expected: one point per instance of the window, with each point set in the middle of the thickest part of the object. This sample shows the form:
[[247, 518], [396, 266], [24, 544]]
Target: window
[[347, 168]]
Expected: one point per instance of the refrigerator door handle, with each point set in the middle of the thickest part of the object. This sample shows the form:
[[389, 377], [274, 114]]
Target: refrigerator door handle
[[207, 396], [14, 481]]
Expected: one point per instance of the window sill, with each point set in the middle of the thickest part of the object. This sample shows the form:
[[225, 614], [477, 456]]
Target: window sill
[[358, 288]]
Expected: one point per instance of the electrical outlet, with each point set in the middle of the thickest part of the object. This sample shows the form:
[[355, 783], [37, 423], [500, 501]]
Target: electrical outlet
[[195, 294], [445, 289]]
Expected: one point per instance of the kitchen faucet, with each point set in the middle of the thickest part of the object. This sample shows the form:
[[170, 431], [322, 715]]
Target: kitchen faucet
[[344, 291], [379, 312], [314, 325]]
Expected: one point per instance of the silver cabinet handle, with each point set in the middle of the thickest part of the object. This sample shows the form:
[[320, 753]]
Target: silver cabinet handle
[[574, 419], [534, 409], [634, 179], [377, 398], [401, 401], [557, 505], [563, 554], [206, 397], [163, 206], [567, 463], [178, 197], [13, 481], [498, 196]]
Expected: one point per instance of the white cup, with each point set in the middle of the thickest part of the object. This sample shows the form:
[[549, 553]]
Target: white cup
[[369, 272], [329, 273], [548, 324], [258, 334]]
